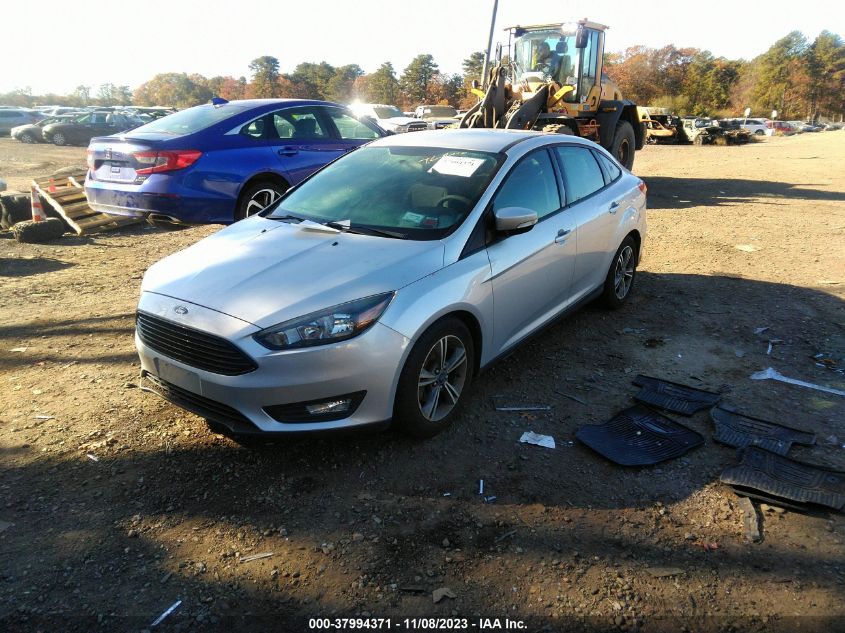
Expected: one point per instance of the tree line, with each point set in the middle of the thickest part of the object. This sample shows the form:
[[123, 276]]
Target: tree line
[[799, 78]]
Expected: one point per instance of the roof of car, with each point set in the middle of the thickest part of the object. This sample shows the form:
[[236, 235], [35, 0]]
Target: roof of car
[[254, 103], [480, 140]]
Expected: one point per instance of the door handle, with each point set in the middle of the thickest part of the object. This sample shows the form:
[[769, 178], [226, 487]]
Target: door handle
[[288, 151], [614, 206], [561, 235]]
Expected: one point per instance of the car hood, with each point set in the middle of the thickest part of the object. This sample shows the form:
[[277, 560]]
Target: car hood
[[268, 271], [399, 120]]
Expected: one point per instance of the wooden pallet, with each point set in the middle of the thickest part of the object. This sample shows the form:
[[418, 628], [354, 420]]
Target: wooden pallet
[[68, 199]]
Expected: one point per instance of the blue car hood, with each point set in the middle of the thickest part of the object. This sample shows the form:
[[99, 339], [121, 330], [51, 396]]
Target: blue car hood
[[268, 271]]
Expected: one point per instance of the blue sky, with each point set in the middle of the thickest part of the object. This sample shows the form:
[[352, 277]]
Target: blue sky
[[53, 45]]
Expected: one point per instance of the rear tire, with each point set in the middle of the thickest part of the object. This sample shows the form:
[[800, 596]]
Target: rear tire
[[59, 139], [620, 277], [26, 137], [441, 365], [623, 144], [257, 197]]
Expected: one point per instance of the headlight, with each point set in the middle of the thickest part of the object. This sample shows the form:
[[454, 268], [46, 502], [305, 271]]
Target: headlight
[[338, 323]]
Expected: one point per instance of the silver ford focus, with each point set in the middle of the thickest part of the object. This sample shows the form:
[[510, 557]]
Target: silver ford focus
[[377, 289]]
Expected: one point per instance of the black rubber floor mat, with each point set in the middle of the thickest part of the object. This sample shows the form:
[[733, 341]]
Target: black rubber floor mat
[[780, 502], [739, 430], [777, 476], [639, 437], [674, 397]]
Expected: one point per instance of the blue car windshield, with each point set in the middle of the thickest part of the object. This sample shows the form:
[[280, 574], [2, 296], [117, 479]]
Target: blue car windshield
[[190, 120], [421, 193]]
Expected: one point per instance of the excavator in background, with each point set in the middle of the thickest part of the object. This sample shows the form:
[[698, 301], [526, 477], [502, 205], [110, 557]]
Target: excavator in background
[[552, 81]]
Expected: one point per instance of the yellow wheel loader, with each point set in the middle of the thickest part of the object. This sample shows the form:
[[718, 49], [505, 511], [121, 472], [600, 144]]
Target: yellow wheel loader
[[553, 82]]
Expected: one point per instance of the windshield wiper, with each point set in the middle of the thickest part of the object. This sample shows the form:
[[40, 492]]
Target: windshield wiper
[[366, 230], [287, 216]]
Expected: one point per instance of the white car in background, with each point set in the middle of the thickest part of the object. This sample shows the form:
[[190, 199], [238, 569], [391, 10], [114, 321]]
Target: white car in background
[[388, 117], [754, 126]]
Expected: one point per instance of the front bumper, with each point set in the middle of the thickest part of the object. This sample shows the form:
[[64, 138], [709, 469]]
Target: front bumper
[[368, 363]]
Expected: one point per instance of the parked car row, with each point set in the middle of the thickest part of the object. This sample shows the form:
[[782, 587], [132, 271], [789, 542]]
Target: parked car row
[[392, 119], [77, 128]]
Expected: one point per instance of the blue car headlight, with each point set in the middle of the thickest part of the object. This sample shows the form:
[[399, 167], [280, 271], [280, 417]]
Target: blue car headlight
[[338, 323]]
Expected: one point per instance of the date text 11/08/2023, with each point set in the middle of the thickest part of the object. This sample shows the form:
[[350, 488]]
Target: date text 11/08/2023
[[416, 624]]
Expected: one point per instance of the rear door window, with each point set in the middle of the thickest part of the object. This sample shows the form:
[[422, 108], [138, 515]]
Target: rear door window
[[611, 170], [299, 123], [581, 172]]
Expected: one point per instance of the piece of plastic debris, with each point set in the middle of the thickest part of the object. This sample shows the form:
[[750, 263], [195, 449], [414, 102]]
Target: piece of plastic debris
[[92, 457], [664, 572], [760, 330], [18, 349], [447, 494], [45, 417], [571, 397], [481, 486], [160, 618], [443, 592], [750, 520], [530, 437], [771, 374], [502, 537], [769, 351], [490, 499], [539, 407], [747, 248], [253, 557]]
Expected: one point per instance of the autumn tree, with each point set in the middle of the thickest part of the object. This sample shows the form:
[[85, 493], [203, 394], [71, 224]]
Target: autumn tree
[[171, 89], [382, 85], [265, 77], [416, 77]]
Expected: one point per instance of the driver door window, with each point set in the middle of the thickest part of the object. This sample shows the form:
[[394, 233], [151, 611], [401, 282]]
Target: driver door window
[[531, 184]]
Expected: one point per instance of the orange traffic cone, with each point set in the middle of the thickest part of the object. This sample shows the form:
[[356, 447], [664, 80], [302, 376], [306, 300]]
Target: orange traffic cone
[[37, 209], [52, 187]]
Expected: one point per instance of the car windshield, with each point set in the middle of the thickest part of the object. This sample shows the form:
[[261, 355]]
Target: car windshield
[[190, 120], [438, 111], [419, 193], [387, 112]]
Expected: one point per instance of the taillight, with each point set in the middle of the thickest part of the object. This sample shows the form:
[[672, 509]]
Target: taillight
[[642, 186], [169, 160], [89, 158]]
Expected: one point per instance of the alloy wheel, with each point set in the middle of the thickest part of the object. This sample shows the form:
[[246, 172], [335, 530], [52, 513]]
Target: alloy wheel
[[59, 138], [442, 378], [623, 274], [260, 200]]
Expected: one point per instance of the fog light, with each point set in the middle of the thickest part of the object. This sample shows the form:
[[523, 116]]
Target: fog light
[[325, 408]]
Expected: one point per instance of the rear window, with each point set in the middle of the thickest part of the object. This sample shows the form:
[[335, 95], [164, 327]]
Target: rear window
[[190, 120]]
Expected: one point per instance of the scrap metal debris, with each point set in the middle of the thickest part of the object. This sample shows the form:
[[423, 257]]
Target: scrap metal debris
[[750, 520], [772, 374], [247, 559], [664, 572], [443, 592], [170, 610]]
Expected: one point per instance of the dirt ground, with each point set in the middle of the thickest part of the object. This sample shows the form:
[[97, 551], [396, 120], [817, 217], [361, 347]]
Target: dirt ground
[[115, 504]]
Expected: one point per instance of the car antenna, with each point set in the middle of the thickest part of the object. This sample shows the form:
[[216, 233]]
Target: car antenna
[[218, 101]]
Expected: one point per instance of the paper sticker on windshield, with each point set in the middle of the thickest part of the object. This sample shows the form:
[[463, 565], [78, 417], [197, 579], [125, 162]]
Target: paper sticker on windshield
[[413, 218], [457, 166]]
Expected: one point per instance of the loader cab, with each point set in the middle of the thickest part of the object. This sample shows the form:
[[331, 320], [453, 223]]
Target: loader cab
[[569, 54]]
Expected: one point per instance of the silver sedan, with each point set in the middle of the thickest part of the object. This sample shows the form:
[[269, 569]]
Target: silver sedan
[[375, 290]]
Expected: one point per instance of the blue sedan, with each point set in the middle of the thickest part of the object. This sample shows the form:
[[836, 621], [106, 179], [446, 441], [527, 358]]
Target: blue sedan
[[220, 162]]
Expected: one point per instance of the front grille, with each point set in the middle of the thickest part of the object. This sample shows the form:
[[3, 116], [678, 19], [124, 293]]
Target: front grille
[[209, 409], [192, 347], [417, 127]]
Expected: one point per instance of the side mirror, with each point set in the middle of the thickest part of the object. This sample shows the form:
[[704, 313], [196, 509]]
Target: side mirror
[[511, 219], [581, 37]]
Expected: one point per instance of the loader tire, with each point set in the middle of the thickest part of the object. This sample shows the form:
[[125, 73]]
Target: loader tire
[[31, 232], [623, 144]]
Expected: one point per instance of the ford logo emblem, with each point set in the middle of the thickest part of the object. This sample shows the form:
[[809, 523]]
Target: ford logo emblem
[[180, 310]]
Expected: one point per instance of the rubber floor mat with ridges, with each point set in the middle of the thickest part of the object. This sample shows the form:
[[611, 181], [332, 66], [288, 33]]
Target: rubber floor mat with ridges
[[740, 430], [639, 436], [778, 476], [674, 397]]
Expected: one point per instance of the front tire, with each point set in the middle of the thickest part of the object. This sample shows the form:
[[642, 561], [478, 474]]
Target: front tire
[[623, 144], [26, 137], [258, 197], [59, 139], [620, 277], [435, 378]]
